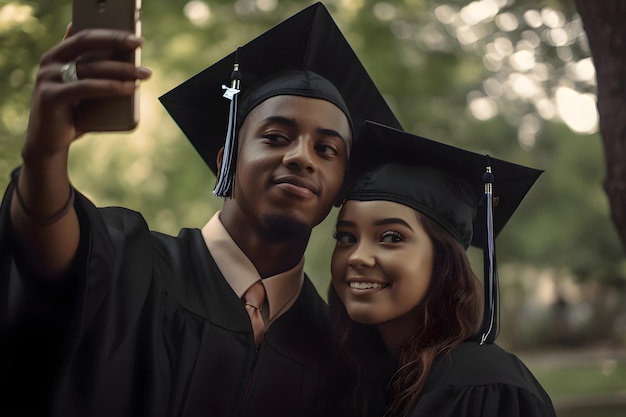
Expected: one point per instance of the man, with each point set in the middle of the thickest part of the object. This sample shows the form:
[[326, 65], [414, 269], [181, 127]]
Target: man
[[104, 317]]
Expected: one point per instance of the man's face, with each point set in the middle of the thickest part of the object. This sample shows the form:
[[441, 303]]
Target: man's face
[[292, 158]]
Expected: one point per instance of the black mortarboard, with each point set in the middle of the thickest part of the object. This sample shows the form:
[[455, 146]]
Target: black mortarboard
[[305, 55], [470, 195]]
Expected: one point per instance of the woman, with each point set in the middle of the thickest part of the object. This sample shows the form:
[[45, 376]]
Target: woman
[[407, 304]]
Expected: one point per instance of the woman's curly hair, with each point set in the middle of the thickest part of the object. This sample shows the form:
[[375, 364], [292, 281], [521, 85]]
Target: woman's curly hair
[[452, 314]]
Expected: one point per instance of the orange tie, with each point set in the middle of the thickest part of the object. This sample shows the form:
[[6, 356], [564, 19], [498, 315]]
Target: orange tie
[[253, 300]]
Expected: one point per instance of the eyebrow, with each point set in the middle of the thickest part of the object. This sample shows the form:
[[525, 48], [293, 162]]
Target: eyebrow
[[345, 223], [286, 121], [392, 220], [381, 222]]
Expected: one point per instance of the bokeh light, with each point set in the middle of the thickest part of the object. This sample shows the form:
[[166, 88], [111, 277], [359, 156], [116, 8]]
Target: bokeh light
[[198, 12]]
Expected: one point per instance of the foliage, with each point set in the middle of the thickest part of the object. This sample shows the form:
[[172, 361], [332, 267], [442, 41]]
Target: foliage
[[430, 78]]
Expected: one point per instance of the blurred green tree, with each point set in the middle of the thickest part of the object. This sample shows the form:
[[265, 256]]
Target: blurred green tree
[[514, 79]]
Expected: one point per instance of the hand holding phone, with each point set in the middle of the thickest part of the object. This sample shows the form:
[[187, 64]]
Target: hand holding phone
[[115, 113]]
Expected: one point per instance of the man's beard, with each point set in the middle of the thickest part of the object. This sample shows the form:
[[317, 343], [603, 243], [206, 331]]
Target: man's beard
[[277, 227]]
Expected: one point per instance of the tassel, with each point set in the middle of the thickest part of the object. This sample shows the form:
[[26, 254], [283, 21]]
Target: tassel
[[489, 327], [225, 178]]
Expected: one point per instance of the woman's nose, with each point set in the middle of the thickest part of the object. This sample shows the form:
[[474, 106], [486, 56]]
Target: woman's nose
[[362, 256]]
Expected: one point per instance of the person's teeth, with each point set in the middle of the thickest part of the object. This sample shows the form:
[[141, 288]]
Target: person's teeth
[[365, 285]]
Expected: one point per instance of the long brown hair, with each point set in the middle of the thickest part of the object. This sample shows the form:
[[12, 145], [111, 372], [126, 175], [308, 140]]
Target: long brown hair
[[452, 314]]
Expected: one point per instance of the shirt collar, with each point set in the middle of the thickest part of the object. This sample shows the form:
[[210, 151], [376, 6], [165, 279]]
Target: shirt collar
[[282, 289]]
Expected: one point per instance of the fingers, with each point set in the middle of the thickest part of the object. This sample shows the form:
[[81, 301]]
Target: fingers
[[89, 71], [100, 55], [115, 70], [77, 44], [74, 93], [100, 74], [120, 80], [68, 31]]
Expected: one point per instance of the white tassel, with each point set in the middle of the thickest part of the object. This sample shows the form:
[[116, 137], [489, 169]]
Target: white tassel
[[225, 178]]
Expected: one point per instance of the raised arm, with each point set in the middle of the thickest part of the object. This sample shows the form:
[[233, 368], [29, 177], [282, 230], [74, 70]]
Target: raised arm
[[42, 210]]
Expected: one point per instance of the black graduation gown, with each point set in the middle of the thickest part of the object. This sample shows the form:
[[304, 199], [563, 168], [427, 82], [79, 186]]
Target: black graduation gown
[[149, 326], [481, 381]]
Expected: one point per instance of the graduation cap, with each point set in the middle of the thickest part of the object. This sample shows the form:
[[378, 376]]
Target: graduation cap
[[471, 196], [305, 55]]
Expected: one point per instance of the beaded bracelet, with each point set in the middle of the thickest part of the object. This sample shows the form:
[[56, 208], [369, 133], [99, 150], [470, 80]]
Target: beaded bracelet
[[46, 221]]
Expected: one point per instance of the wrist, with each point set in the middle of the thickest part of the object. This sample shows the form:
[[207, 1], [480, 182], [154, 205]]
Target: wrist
[[36, 155]]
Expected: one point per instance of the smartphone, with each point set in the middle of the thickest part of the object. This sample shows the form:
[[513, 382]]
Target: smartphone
[[116, 113]]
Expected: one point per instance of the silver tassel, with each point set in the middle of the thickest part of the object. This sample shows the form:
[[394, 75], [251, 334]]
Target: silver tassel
[[489, 327], [225, 178]]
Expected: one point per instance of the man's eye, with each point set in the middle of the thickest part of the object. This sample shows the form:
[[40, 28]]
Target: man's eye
[[326, 149], [276, 137]]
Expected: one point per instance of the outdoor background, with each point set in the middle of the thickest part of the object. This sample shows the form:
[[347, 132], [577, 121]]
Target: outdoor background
[[510, 78]]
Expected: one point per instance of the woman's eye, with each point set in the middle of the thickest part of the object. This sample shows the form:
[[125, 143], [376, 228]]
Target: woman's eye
[[344, 237], [391, 237]]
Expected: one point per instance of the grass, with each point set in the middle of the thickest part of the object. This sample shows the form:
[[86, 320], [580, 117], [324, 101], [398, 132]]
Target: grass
[[585, 379], [595, 388]]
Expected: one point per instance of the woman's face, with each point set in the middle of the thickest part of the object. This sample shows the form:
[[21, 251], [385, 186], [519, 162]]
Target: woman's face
[[382, 263]]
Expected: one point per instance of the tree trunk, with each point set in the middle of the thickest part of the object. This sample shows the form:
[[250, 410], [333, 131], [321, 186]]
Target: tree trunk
[[604, 24]]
